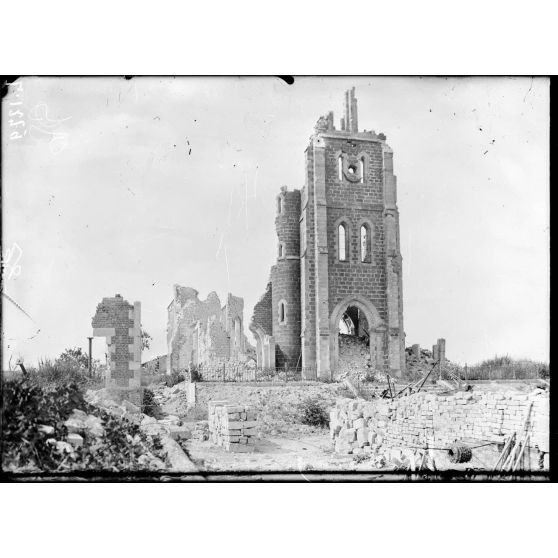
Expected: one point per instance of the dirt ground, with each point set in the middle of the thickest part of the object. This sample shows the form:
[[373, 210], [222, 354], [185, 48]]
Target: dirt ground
[[274, 454], [307, 452]]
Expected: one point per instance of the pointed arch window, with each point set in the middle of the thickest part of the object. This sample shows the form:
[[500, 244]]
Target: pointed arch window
[[365, 243], [361, 165], [340, 167], [342, 242]]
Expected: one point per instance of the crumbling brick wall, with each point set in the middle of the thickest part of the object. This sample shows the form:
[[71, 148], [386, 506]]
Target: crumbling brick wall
[[233, 427], [438, 420], [261, 326], [262, 315], [120, 323]]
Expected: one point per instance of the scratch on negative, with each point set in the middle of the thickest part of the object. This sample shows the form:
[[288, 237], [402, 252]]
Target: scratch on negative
[[529, 90], [21, 310]]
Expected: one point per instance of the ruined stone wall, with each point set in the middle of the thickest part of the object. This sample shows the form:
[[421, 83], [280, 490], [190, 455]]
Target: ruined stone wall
[[438, 421], [263, 315], [233, 321], [120, 323], [201, 332]]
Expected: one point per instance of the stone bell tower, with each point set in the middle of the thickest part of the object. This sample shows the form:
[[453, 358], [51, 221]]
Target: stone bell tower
[[350, 259], [338, 257]]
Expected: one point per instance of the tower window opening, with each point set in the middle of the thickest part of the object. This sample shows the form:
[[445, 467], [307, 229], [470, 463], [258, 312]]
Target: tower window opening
[[279, 205], [282, 312], [281, 250], [342, 241], [362, 169], [365, 244], [340, 167]]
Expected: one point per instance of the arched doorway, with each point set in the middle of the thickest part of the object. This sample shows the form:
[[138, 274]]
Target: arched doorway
[[355, 324], [354, 340]]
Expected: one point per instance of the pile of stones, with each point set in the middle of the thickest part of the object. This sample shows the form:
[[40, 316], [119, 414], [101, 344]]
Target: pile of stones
[[349, 427], [201, 431]]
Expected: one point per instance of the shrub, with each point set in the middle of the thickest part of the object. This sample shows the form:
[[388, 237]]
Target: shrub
[[195, 375], [74, 358], [68, 368], [26, 407], [174, 378], [150, 406], [313, 412]]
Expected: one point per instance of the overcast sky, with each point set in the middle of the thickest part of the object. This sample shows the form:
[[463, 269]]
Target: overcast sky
[[129, 186]]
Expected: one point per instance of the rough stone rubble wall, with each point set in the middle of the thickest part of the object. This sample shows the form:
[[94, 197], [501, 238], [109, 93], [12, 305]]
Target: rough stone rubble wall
[[233, 427], [120, 323], [202, 332], [438, 420], [261, 326]]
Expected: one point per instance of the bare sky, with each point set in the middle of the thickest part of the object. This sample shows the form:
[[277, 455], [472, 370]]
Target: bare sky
[[131, 186]]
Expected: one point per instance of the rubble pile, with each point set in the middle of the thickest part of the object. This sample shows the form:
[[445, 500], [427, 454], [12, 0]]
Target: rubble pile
[[233, 427], [355, 427], [418, 364], [201, 431], [354, 361], [419, 361]]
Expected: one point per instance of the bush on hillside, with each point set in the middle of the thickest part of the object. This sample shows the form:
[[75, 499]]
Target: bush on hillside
[[34, 433], [313, 412], [174, 378], [150, 406]]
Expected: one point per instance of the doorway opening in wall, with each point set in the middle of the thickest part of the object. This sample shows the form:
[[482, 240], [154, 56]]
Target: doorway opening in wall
[[354, 342]]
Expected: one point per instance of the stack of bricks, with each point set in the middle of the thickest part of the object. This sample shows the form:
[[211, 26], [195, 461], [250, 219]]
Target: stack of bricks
[[233, 427], [437, 420]]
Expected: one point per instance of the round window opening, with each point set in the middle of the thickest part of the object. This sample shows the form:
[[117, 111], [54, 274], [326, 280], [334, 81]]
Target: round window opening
[[352, 170]]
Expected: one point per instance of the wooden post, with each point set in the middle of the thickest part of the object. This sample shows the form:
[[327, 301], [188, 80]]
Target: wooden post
[[90, 359]]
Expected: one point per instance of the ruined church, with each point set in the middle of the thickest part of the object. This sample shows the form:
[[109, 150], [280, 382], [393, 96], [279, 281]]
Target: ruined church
[[338, 270], [202, 332]]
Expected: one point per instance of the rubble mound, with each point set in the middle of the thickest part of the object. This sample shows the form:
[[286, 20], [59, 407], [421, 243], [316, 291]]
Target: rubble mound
[[354, 361], [418, 365], [354, 354]]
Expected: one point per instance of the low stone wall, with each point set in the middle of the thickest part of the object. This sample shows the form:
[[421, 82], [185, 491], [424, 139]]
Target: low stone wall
[[233, 427], [422, 419]]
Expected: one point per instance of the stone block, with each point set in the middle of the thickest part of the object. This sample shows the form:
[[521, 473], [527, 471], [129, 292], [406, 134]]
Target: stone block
[[358, 423], [74, 439], [242, 424], [350, 434], [232, 409]]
